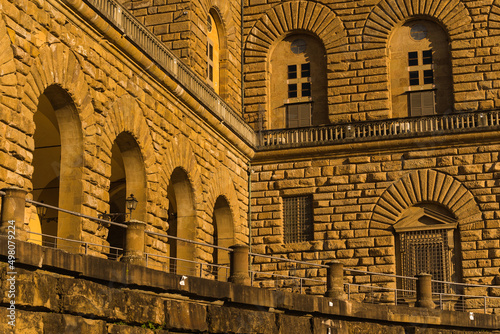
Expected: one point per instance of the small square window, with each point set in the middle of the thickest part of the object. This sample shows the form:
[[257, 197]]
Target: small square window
[[306, 89], [427, 57], [292, 91], [413, 58], [292, 71], [305, 70], [428, 77], [414, 78]]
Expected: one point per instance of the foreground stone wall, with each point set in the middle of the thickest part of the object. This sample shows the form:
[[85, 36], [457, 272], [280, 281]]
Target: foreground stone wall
[[47, 49], [359, 196], [57, 292], [356, 37]]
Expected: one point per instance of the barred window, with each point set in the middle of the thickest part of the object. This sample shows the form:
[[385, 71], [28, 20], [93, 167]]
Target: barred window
[[298, 219], [425, 252], [426, 244]]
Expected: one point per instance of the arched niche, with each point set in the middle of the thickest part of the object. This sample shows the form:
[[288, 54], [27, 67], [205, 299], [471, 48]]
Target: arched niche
[[420, 69], [298, 82], [128, 177], [182, 222], [58, 164], [223, 223]]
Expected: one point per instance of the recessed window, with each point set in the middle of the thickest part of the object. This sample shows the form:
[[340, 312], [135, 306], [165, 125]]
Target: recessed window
[[209, 23], [305, 70], [427, 57], [412, 58], [306, 89], [298, 46], [292, 71], [292, 91], [414, 78], [428, 77], [298, 219]]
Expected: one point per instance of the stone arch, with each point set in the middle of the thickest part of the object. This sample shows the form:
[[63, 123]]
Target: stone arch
[[57, 74], [222, 184], [125, 116], [494, 19], [425, 186], [453, 15], [179, 154], [278, 22]]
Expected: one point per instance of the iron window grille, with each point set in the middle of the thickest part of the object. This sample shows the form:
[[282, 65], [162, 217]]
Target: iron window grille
[[298, 219], [425, 252]]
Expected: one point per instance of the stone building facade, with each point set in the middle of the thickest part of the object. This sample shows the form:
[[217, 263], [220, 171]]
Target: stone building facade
[[374, 135]]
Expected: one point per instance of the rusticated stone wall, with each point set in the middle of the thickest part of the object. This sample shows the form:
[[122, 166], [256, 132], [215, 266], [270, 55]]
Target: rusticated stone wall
[[361, 189], [58, 292], [182, 26], [356, 37], [104, 89]]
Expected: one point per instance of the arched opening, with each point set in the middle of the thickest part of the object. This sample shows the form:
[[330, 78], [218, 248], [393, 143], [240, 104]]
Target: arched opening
[[58, 162], [420, 70], [182, 222], [215, 52], [223, 236], [298, 83], [128, 177]]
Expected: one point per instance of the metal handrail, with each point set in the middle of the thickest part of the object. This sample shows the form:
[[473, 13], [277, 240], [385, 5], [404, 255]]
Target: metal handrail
[[75, 213], [75, 241], [187, 240]]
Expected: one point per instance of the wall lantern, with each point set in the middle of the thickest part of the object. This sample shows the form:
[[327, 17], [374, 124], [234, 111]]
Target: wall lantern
[[131, 204], [41, 211]]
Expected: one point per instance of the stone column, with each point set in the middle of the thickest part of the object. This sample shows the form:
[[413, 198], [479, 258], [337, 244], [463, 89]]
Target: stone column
[[134, 242], [424, 291], [335, 281], [239, 265], [13, 206]]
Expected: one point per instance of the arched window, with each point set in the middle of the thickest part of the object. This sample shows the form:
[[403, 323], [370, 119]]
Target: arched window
[[213, 53], [420, 70], [298, 83], [427, 241]]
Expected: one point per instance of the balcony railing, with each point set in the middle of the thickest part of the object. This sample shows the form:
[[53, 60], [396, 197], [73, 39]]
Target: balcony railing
[[144, 39], [374, 130]]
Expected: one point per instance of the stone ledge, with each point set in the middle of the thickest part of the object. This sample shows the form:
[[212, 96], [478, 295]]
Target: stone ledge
[[32, 256]]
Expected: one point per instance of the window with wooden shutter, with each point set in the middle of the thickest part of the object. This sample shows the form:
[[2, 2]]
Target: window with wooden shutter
[[298, 115], [421, 103]]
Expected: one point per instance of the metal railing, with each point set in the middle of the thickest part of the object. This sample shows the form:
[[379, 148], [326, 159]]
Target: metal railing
[[280, 273], [151, 45], [379, 129], [51, 241]]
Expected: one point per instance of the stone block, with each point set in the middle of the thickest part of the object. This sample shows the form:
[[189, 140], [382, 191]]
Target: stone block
[[234, 320], [186, 316]]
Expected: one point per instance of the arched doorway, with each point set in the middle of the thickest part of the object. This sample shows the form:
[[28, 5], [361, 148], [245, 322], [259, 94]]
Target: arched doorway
[[223, 236], [128, 177], [182, 222], [57, 164]]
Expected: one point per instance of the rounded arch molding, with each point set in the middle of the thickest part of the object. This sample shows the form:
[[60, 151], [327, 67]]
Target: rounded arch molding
[[290, 16], [494, 19], [222, 185], [56, 64], [387, 14], [179, 154], [425, 186]]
